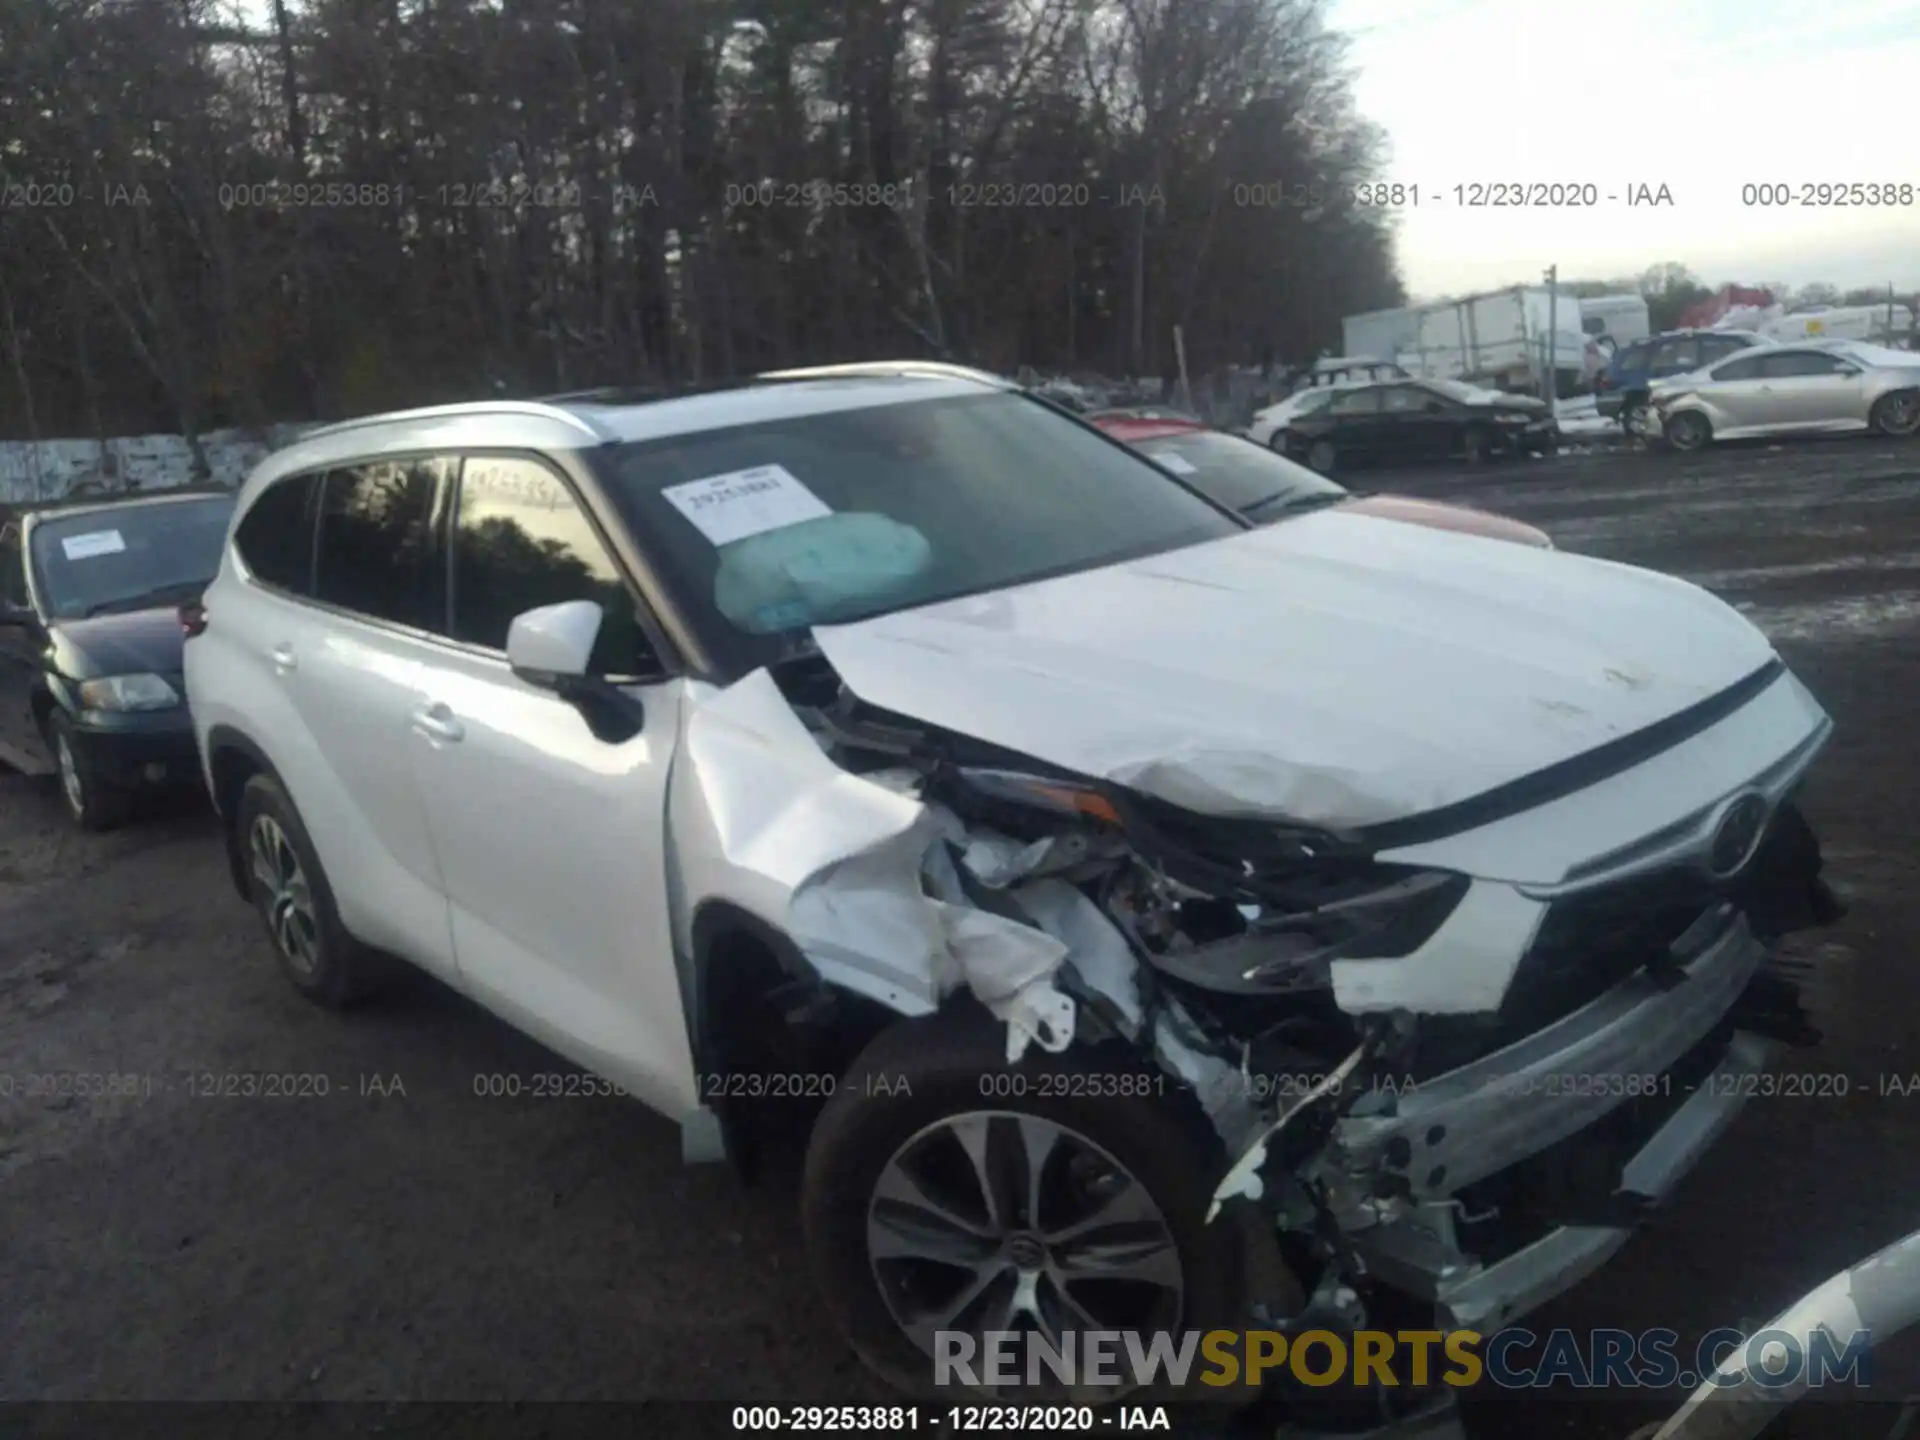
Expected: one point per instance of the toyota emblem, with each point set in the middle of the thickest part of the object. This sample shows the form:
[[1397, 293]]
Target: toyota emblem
[[1736, 836]]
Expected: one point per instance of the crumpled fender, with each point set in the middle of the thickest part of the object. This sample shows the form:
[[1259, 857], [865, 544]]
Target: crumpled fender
[[854, 870]]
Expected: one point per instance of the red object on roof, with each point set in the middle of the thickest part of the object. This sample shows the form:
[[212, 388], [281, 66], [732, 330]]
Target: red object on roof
[[1132, 432], [1707, 312]]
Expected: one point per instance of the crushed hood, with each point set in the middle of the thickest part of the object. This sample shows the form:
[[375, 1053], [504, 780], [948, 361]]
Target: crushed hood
[[1338, 670]]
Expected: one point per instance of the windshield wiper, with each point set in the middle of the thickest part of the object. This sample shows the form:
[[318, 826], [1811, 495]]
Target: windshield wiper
[[1287, 502]]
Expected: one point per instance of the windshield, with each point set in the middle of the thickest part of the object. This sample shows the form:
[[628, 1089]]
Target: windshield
[[1239, 474], [765, 530], [126, 557]]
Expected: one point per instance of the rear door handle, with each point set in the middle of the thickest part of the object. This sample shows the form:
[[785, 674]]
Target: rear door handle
[[436, 722], [284, 659]]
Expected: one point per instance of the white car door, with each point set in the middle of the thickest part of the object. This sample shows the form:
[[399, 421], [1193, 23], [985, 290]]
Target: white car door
[[552, 839], [350, 666]]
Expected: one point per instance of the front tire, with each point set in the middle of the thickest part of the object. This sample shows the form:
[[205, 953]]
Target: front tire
[[1689, 430], [1322, 457], [1477, 445], [290, 890], [93, 803], [947, 1190], [1897, 414]]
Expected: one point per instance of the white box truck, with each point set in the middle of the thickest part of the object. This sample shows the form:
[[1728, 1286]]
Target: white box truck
[[1502, 339]]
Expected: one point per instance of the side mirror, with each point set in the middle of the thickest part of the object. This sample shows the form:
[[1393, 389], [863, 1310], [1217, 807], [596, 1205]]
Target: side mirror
[[553, 642], [551, 646]]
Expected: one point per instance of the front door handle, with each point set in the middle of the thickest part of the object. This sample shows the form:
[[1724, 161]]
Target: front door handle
[[284, 659], [436, 722]]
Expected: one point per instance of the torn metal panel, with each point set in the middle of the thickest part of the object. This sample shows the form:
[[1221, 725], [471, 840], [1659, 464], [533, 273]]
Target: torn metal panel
[[1243, 1178], [1332, 671], [844, 865]]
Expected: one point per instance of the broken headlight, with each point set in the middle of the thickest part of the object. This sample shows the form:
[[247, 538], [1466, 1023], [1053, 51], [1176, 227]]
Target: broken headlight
[[1275, 948], [1060, 796]]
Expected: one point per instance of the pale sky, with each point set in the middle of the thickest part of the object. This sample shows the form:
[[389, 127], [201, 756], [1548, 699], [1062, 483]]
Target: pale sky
[[1700, 95]]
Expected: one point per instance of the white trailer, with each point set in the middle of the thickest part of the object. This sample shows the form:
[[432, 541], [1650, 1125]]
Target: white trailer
[[1507, 338], [1875, 323], [1382, 334], [1622, 319]]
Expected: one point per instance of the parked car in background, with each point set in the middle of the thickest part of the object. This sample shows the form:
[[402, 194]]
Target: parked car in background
[[1788, 390], [1407, 422], [886, 724], [90, 639], [1266, 487], [1621, 389], [1269, 425]]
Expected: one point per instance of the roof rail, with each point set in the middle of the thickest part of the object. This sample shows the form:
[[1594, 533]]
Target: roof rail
[[445, 412], [933, 369]]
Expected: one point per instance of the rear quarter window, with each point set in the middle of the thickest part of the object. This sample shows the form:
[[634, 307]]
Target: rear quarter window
[[275, 537]]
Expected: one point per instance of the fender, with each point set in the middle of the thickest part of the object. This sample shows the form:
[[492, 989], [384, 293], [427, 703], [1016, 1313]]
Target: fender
[[222, 741]]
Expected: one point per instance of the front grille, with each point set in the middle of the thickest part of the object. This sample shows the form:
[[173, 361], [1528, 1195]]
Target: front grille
[[1591, 941]]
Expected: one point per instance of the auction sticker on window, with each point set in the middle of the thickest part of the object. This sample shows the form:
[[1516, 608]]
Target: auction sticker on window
[[94, 542], [730, 507]]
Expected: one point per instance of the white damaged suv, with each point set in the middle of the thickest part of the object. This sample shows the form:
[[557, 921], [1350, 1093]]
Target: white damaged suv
[[1180, 921]]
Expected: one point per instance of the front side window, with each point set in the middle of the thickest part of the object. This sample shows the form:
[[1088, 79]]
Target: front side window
[[129, 557], [521, 541], [275, 536], [764, 530], [375, 553]]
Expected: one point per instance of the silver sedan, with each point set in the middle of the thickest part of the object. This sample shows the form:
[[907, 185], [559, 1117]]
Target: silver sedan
[[1789, 390]]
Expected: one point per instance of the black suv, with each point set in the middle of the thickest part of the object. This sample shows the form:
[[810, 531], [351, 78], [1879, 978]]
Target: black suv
[[90, 638]]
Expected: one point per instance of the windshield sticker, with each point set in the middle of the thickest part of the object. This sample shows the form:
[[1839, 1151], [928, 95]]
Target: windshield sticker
[[1179, 464], [94, 542], [730, 507]]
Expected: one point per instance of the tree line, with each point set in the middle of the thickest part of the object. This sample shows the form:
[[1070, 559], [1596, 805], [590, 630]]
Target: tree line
[[304, 209]]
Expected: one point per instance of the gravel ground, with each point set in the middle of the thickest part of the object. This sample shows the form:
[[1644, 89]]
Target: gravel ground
[[405, 1238]]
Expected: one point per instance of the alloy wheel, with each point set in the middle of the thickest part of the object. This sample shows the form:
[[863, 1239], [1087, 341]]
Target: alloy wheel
[[1320, 456], [1900, 414], [1687, 431], [72, 784], [287, 896], [1002, 1221]]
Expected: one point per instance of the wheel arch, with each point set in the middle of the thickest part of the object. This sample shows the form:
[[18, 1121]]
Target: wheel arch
[[234, 758]]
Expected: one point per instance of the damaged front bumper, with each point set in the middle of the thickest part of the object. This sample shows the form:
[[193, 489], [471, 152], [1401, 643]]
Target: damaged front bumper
[[1642, 1043]]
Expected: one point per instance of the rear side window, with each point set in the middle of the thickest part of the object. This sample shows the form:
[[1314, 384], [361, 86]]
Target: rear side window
[[275, 538], [1354, 402], [376, 554], [520, 541], [1802, 362]]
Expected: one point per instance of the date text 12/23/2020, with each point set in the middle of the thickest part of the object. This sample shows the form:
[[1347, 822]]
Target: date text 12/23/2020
[[947, 1419]]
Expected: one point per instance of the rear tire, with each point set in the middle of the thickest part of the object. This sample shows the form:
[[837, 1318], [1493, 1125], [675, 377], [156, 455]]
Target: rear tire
[[907, 1110], [1897, 414], [1476, 444], [1689, 430], [290, 890], [93, 803]]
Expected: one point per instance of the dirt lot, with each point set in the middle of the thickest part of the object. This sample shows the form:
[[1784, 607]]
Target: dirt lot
[[406, 1238]]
